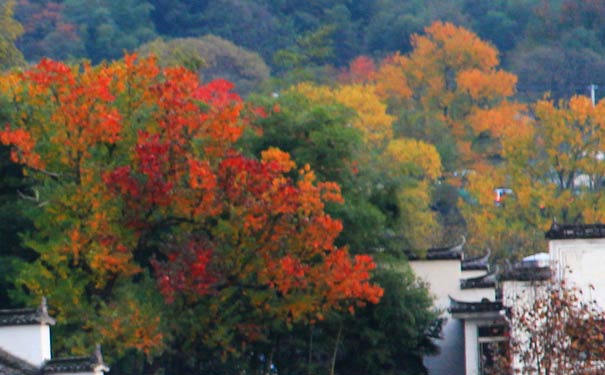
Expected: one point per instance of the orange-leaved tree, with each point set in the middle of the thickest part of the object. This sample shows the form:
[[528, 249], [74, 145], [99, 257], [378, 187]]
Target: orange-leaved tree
[[136, 182], [449, 91]]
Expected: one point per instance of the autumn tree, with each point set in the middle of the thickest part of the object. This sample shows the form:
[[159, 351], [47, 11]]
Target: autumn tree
[[559, 331], [450, 92], [139, 192], [554, 166], [394, 176]]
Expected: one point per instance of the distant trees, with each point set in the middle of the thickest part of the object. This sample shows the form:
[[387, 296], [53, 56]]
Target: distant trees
[[213, 58], [10, 30], [555, 168]]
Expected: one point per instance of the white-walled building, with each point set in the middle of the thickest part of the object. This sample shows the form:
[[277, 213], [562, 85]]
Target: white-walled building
[[464, 290], [476, 303], [25, 347]]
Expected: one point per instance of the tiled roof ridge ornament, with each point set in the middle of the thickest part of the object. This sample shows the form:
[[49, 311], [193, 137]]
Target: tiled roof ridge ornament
[[77, 365], [42, 312], [452, 252], [480, 262], [43, 308], [98, 355], [488, 280]]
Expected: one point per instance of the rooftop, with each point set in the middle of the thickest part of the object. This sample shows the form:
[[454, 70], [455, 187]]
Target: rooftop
[[474, 307], [442, 253], [575, 231], [27, 316]]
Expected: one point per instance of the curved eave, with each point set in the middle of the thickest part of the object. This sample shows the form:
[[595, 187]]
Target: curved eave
[[445, 253], [480, 263]]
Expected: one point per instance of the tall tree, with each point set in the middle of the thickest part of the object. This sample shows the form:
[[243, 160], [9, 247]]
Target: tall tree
[[137, 183], [449, 88]]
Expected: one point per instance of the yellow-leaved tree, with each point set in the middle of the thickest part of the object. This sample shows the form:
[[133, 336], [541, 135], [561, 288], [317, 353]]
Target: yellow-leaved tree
[[554, 166]]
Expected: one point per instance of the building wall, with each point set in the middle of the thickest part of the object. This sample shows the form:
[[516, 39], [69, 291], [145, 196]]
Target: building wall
[[28, 342], [443, 279], [580, 263]]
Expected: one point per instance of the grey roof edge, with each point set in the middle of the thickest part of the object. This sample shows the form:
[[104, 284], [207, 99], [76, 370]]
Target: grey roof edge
[[575, 231], [480, 262], [526, 274], [488, 280], [17, 363], [484, 305], [64, 365], [445, 253], [26, 316]]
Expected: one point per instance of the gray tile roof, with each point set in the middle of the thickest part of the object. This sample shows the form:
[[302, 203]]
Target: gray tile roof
[[27, 316], [11, 365]]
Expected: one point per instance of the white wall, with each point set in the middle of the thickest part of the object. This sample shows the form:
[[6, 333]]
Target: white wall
[[28, 342], [581, 263], [442, 276], [443, 279], [472, 273]]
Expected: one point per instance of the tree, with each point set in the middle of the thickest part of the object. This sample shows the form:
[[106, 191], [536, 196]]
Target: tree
[[390, 337], [393, 175], [108, 28], [450, 89], [46, 31], [555, 169], [137, 183], [213, 58], [557, 332], [10, 30]]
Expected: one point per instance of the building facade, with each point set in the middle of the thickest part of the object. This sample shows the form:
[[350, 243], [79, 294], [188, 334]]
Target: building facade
[[476, 302], [25, 347]]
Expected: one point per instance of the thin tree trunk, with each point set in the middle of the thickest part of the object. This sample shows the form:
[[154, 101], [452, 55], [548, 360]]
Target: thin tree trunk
[[309, 372], [336, 348]]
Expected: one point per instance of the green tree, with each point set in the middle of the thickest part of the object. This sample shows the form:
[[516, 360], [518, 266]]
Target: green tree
[[390, 337], [108, 28], [10, 30], [213, 58]]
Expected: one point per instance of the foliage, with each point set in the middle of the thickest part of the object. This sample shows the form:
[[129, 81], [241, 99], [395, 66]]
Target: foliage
[[135, 177], [47, 32], [449, 84], [10, 30], [560, 330], [388, 179], [372, 347], [108, 28], [213, 58], [555, 169]]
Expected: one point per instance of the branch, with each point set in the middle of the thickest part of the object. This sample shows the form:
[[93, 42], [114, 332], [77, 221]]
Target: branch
[[54, 175], [35, 198]]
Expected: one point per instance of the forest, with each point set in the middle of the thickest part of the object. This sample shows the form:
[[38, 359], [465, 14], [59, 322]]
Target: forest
[[234, 186]]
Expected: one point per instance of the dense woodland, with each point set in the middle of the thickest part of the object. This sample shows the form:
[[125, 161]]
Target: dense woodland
[[234, 186]]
